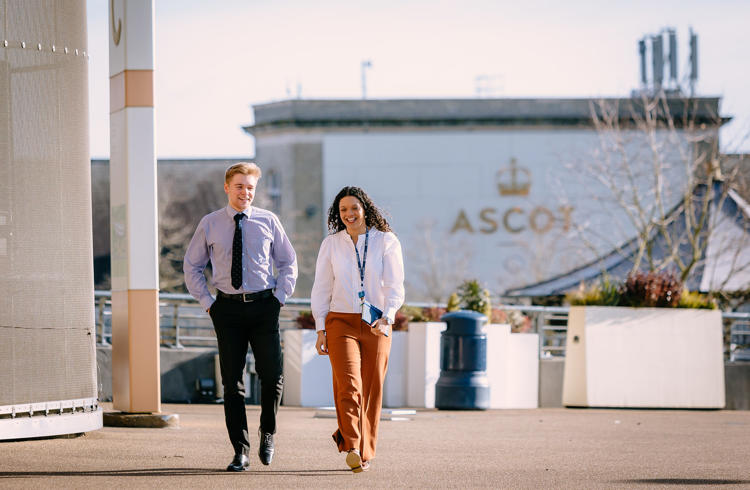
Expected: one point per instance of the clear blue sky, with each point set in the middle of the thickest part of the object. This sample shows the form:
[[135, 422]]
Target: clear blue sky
[[215, 59]]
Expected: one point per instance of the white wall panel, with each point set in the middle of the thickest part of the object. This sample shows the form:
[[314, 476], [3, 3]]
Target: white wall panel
[[426, 179], [142, 214]]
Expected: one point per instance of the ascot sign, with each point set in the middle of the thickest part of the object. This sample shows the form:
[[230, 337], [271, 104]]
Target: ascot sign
[[514, 181]]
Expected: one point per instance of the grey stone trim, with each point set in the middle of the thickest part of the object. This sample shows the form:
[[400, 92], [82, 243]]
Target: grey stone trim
[[300, 113]]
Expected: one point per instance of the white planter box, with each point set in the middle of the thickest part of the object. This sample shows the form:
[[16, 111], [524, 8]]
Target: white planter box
[[423, 363], [512, 367], [394, 388], [644, 357], [307, 376]]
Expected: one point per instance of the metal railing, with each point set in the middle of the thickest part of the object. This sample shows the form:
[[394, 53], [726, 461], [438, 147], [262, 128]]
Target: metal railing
[[737, 335], [184, 323], [182, 320], [550, 322]]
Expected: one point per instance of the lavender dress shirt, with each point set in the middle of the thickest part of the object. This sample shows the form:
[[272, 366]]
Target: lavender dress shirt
[[265, 246]]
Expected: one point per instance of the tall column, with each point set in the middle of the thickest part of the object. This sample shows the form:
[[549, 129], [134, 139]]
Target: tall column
[[135, 270]]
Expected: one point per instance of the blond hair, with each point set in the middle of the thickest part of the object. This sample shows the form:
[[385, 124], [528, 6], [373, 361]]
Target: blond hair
[[244, 168]]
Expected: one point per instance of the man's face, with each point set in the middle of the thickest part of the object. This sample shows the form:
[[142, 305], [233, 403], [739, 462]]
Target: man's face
[[241, 191]]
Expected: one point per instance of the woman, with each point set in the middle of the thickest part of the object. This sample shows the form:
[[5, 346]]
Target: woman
[[359, 264]]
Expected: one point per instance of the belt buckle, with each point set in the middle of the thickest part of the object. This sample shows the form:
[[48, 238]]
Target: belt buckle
[[246, 298]]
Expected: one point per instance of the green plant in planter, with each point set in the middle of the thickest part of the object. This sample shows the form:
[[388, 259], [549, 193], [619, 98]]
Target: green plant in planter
[[606, 293], [610, 291], [413, 313], [433, 313], [453, 303], [471, 296], [696, 300], [408, 314], [660, 289]]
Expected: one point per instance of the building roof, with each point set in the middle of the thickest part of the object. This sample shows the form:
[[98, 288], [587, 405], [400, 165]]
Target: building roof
[[302, 113], [736, 167], [724, 264]]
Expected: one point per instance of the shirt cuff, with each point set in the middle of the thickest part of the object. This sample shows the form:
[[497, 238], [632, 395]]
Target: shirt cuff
[[281, 296], [320, 324], [206, 302], [390, 315]]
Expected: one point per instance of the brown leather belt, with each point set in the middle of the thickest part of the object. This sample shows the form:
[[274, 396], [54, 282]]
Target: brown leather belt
[[246, 297]]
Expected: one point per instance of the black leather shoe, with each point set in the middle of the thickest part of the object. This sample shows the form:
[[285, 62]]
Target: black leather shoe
[[239, 463], [265, 451]]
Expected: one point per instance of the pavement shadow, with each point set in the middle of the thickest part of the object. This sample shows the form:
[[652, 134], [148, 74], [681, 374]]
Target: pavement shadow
[[338, 471], [151, 472], [684, 481]]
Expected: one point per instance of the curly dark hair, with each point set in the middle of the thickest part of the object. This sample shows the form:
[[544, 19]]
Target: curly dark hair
[[373, 216]]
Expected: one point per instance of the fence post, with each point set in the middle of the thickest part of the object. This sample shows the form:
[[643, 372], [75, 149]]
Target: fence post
[[176, 323], [100, 314], [539, 324]]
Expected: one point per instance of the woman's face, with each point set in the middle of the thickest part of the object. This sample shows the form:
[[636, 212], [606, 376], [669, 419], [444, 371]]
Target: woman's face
[[352, 214]]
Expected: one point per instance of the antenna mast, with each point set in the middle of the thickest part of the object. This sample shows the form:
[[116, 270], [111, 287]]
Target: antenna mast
[[655, 83], [365, 65]]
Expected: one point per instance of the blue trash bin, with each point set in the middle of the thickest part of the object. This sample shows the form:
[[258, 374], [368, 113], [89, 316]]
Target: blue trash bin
[[463, 382]]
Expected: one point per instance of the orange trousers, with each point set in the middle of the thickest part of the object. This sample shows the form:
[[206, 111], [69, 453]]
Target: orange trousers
[[359, 360]]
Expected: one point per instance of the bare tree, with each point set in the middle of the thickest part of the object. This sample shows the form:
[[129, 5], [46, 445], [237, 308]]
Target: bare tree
[[182, 203], [657, 163], [439, 265]]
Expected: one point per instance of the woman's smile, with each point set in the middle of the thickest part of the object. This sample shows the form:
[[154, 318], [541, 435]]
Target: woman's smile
[[352, 213]]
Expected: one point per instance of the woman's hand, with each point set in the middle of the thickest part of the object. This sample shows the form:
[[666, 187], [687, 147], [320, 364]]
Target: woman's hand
[[381, 327], [322, 343]]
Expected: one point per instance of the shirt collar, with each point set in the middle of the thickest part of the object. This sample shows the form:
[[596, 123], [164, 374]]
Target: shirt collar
[[345, 236], [231, 212]]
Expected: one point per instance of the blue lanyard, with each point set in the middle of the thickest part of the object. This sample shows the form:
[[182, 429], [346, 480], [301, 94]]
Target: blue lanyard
[[361, 267]]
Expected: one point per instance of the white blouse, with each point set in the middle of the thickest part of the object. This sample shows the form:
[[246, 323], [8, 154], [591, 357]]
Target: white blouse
[[337, 281]]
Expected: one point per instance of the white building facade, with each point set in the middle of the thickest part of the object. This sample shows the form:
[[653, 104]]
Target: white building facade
[[508, 191]]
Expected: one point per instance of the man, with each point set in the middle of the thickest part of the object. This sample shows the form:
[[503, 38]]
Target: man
[[244, 244]]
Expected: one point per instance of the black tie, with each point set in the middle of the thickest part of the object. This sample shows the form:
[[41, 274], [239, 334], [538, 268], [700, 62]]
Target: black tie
[[237, 252]]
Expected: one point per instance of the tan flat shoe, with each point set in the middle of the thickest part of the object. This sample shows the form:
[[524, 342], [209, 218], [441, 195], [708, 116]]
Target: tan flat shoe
[[354, 460]]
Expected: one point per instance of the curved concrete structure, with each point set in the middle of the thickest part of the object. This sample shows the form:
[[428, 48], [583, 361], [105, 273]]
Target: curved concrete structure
[[47, 356]]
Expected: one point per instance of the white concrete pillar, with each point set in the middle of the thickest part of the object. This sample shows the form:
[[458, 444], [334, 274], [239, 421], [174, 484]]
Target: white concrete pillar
[[134, 239]]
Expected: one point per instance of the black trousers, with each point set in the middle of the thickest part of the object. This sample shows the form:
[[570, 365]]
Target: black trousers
[[238, 325]]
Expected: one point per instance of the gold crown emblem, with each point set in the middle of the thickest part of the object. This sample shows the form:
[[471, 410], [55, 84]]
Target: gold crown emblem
[[513, 180]]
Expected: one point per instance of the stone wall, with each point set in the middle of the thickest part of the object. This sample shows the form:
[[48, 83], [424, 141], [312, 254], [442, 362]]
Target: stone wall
[[298, 170]]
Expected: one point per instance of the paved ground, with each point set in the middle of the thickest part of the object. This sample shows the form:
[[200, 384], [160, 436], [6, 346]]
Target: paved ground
[[545, 448]]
